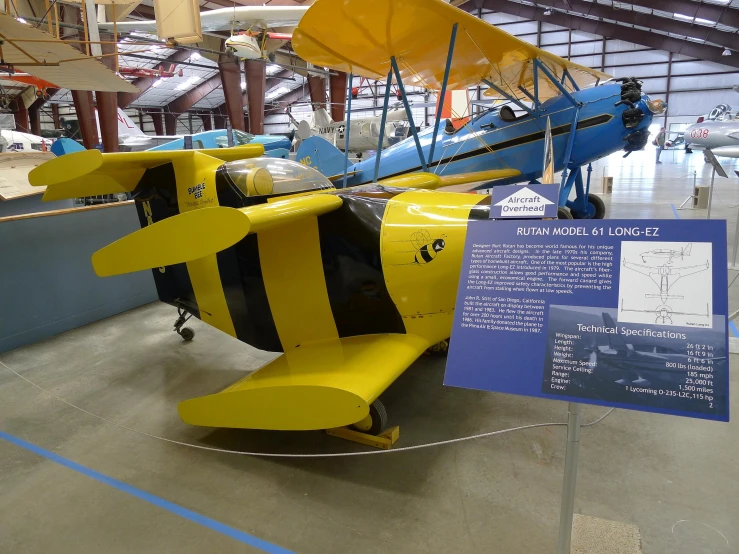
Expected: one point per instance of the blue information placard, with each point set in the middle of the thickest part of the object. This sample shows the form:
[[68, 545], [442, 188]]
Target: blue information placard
[[625, 313], [524, 202]]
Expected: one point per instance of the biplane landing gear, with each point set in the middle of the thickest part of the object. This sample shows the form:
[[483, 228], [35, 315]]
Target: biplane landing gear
[[564, 213], [596, 209], [186, 333], [438, 350]]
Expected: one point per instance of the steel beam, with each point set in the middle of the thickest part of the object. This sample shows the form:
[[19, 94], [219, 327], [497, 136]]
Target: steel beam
[[55, 116], [279, 104], [317, 89], [630, 17], [156, 117], [614, 31], [107, 103], [337, 85], [85, 111], [145, 83], [20, 114], [256, 79], [207, 122], [229, 71], [187, 100], [170, 123], [34, 112]]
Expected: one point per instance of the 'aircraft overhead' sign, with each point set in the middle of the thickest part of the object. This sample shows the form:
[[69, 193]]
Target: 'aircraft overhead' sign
[[519, 202]]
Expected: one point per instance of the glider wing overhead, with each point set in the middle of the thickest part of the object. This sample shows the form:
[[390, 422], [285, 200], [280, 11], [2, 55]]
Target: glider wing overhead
[[226, 19], [38, 53], [360, 37]]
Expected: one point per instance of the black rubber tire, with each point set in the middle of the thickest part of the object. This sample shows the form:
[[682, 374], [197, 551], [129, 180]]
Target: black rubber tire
[[705, 159], [187, 334], [563, 213], [600, 206], [379, 419]]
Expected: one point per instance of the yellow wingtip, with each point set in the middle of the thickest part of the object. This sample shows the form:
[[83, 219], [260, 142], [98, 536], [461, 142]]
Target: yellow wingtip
[[65, 168]]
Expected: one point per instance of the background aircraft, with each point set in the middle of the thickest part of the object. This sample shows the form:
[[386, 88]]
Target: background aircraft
[[587, 123], [25, 142], [364, 132], [717, 132]]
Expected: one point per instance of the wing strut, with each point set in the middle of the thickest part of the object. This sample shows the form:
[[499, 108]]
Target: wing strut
[[408, 112], [382, 125], [442, 94]]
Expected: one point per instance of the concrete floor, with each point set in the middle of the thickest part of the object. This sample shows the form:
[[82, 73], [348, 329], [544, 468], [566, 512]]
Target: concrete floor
[[675, 479]]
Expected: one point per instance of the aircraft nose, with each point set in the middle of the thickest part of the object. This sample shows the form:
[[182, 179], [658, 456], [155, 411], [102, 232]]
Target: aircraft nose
[[634, 116]]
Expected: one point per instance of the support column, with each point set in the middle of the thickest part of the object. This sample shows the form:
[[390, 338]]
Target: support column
[[207, 122], [55, 116], [107, 103], [256, 78], [156, 117], [337, 84], [317, 89], [230, 71], [219, 118], [20, 114], [34, 116], [170, 123], [85, 117]]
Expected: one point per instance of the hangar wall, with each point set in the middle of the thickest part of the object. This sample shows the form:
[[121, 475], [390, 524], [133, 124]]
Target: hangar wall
[[48, 280]]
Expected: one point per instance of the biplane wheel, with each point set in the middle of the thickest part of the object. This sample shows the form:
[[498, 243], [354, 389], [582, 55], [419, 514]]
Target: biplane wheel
[[375, 422], [563, 213], [596, 209], [187, 334], [705, 159]]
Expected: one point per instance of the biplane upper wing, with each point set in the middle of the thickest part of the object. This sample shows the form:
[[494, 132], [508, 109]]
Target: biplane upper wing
[[226, 19], [360, 37], [36, 52]]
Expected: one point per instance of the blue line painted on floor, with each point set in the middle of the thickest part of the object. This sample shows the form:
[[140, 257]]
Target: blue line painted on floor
[[150, 498], [677, 216], [734, 330]]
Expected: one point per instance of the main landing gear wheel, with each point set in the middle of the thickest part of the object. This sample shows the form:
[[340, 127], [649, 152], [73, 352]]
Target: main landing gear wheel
[[376, 422], [563, 213], [705, 159], [187, 334], [596, 209]]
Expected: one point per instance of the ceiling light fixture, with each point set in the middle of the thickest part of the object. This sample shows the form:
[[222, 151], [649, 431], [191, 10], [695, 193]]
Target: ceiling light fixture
[[726, 52], [194, 56], [547, 12]]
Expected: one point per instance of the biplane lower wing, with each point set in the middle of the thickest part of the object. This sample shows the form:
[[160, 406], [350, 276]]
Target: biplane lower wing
[[316, 386]]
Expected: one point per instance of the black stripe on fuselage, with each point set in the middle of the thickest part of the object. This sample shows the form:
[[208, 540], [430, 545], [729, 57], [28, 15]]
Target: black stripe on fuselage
[[352, 265], [518, 141]]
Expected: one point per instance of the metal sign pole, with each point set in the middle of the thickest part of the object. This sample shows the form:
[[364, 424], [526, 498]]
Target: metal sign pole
[[572, 455], [710, 194]]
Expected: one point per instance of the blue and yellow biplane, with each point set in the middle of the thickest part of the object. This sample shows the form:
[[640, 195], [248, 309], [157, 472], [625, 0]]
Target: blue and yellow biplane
[[351, 284], [410, 41]]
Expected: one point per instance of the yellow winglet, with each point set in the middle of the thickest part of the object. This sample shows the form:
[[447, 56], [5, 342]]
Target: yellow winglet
[[192, 235], [418, 180]]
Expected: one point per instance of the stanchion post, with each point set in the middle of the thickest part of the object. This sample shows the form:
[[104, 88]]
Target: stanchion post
[[710, 193], [572, 455]]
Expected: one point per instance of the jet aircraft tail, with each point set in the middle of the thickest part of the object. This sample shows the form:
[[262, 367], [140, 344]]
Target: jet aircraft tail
[[320, 154]]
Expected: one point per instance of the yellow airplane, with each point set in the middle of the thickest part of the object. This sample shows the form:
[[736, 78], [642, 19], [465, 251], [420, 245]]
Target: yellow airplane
[[353, 284]]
